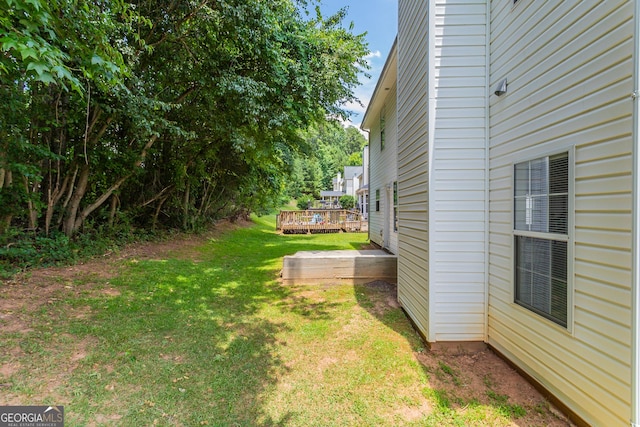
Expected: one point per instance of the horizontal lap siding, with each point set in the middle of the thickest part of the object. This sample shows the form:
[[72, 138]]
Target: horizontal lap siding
[[383, 167], [413, 178], [376, 217], [569, 70], [458, 82], [390, 155]]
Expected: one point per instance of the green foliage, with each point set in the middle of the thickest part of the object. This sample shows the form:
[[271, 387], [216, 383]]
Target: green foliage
[[304, 202], [60, 42], [501, 401], [170, 114], [355, 159], [330, 147], [347, 201], [22, 250]]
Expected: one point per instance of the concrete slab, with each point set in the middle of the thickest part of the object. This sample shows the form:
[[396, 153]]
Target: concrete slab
[[339, 267]]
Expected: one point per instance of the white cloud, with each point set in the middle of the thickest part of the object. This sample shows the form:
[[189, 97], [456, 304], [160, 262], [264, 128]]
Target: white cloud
[[371, 56]]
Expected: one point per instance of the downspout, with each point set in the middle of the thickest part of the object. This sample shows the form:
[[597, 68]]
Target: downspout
[[431, 114], [487, 123], [635, 290]]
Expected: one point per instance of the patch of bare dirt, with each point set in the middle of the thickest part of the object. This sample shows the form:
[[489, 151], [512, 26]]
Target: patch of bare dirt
[[472, 376], [413, 414], [386, 298], [30, 291], [33, 291], [486, 378]]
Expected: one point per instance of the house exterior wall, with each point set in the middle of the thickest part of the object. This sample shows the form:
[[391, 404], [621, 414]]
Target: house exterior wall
[[413, 163], [457, 135], [442, 128], [569, 67], [384, 173], [351, 182], [363, 192]]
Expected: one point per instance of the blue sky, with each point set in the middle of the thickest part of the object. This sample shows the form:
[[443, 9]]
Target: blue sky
[[379, 19]]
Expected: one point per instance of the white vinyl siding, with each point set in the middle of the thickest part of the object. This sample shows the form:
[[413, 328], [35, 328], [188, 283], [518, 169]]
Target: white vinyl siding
[[569, 86], [442, 117], [384, 172], [383, 165], [413, 163], [457, 93]]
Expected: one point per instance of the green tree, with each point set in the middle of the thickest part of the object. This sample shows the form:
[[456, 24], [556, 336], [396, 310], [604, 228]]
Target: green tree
[[166, 113], [334, 147], [347, 201], [355, 159], [50, 48]]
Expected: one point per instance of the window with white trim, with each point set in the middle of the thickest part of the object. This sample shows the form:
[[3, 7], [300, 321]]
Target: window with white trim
[[395, 205], [382, 128], [541, 235]]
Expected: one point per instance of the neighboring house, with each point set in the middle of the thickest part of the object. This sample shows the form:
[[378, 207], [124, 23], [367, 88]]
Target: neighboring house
[[330, 199], [380, 120], [351, 182], [518, 190], [337, 183]]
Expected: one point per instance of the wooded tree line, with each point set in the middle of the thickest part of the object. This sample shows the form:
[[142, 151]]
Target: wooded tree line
[[332, 147], [162, 113]]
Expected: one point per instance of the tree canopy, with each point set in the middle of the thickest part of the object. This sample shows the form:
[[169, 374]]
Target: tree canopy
[[162, 113], [331, 148]]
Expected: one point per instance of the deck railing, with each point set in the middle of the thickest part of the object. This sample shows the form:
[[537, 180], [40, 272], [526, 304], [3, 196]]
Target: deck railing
[[320, 221]]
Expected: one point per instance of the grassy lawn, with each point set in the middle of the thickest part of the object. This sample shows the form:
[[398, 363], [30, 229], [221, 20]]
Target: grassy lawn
[[206, 335]]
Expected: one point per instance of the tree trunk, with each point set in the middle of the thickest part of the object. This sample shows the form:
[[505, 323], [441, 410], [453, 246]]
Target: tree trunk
[[99, 201], [69, 226], [185, 207], [72, 184], [52, 200], [204, 198], [33, 212], [5, 221], [115, 201], [156, 214]]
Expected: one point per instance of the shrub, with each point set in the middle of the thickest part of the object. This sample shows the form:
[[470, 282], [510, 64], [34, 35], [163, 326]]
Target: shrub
[[304, 202], [347, 202]]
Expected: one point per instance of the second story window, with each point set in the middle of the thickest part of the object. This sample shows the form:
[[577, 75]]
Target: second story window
[[382, 128]]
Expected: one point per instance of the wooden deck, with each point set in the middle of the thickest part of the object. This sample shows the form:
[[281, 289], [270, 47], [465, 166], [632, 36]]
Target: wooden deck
[[320, 221], [339, 267]]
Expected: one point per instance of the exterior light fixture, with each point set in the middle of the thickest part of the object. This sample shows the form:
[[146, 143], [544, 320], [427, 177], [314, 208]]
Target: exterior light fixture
[[501, 89]]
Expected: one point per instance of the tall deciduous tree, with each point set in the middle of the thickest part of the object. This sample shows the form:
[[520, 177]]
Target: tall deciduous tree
[[165, 112], [331, 147]]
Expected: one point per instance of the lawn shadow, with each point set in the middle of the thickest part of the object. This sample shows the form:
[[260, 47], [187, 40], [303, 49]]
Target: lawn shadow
[[463, 384], [185, 340]]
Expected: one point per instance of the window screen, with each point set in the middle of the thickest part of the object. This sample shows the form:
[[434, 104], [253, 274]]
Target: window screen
[[541, 223], [395, 206]]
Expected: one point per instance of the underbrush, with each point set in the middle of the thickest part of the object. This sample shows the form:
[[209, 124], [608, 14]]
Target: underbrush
[[21, 250]]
